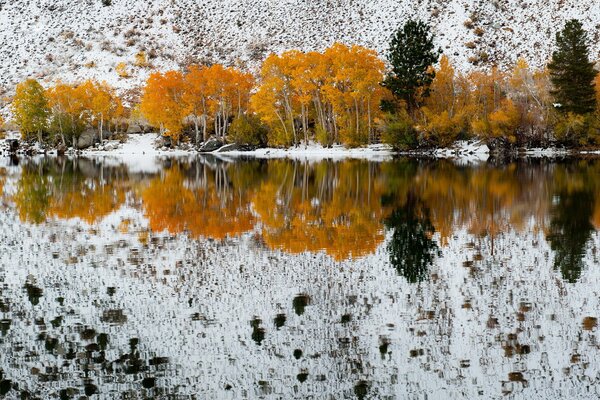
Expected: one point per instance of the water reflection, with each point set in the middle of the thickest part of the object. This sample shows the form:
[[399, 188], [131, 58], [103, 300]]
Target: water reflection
[[256, 279], [342, 208]]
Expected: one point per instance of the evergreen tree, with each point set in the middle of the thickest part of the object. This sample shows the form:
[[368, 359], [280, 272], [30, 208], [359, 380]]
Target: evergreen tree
[[411, 55], [571, 72]]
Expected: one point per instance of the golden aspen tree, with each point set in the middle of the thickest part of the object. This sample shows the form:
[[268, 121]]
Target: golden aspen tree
[[69, 111], [30, 109], [488, 91], [530, 92], [274, 100], [106, 106], [162, 102], [353, 90], [196, 97], [445, 109]]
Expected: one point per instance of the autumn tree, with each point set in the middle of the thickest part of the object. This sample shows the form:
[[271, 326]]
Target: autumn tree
[[529, 90], [69, 115], [411, 54], [196, 96], [274, 99], [354, 90], [446, 111], [102, 104], [337, 92], [229, 90], [162, 102], [30, 109], [494, 116]]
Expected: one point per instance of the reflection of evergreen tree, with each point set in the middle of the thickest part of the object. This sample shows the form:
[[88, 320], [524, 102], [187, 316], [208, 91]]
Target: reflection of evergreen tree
[[570, 230], [412, 248]]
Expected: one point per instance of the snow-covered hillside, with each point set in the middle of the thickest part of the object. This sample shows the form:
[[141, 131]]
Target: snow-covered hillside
[[75, 39]]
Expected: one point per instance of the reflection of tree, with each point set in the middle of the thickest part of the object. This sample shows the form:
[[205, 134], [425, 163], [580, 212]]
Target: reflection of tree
[[33, 196], [326, 206], [210, 206], [570, 230], [411, 248], [67, 189]]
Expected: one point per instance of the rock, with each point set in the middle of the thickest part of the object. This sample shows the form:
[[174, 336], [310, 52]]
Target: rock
[[235, 147], [111, 146], [106, 135], [87, 139], [13, 145], [134, 128], [164, 142], [210, 145]]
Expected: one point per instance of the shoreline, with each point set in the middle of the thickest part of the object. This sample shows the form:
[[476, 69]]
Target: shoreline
[[140, 147]]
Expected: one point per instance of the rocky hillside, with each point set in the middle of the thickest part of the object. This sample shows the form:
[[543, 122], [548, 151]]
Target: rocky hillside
[[74, 39]]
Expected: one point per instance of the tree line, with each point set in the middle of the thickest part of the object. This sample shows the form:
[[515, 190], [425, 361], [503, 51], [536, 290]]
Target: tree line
[[343, 95]]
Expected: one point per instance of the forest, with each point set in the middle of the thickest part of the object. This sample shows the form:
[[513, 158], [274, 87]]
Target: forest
[[415, 98]]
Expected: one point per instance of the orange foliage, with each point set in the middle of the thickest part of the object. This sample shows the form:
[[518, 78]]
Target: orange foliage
[[208, 211], [162, 102], [338, 89], [337, 211]]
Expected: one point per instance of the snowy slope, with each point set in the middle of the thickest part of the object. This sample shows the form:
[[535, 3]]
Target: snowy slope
[[75, 39]]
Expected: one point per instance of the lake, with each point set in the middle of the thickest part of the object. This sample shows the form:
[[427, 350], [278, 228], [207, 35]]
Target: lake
[[208, 278]]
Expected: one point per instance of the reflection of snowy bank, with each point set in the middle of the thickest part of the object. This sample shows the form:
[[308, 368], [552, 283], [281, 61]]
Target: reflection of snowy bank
[[478, 321]]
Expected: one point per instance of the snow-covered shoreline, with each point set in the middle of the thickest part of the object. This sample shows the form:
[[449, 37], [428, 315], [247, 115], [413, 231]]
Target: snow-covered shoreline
[[142, 149]]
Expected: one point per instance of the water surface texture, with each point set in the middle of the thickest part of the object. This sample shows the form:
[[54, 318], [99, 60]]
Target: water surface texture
[[203, 278]]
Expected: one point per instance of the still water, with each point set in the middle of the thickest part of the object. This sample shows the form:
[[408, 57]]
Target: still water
[[203, 278]]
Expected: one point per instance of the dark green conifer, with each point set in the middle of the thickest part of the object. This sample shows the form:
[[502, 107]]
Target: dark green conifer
[[571, 72], [411, 54]]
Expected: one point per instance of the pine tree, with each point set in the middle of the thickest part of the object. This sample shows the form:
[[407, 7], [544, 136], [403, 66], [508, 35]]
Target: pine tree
[[411, 55], [571, 72]]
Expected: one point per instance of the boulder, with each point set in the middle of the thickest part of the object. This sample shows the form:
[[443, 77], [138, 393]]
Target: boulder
[[211, 145], [13, 145], [235, 147], [87, 139], [164, 142], [106, 135], [134, 128]]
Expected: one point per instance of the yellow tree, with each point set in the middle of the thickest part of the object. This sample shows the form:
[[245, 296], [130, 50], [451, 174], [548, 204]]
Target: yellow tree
[[446, 109], [354, 91], [70, 114], [30, 108], [162, 102], [274, 99], [488, 92], [103, 104], [196, 97], [530, 93]]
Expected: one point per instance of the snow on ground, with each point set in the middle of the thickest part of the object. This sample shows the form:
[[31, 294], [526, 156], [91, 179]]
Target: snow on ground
[[468, 152], [74, 40], [314, 151], [140, 153]]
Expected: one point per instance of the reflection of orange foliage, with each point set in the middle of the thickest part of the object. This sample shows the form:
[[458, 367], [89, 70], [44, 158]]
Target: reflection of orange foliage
[[486, 201], [88, 203], [170, 205], [336, 209]]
